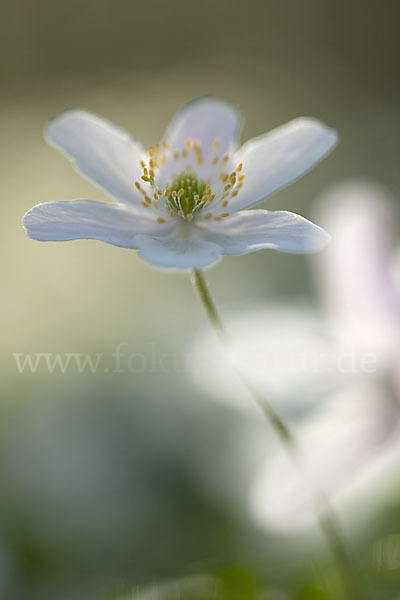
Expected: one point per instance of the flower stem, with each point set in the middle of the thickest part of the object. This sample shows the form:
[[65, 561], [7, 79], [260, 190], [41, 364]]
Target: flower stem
[[279, 426], [327, 521]]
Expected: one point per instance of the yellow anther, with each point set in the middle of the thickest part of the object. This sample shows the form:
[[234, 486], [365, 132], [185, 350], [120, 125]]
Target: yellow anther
[[227, 187], [189, 217], [167, 192], [211, 198], [153, 163], [161, 220], [208, 216], [145, 171], [225, 203], [151, 174], [172, 213], [224, 215], [233, 179], [224, 177], [241, 177], [184, 153], [215, 160], [142, 164], [145, 204], [181, 213], [151, 152], [156, 196], [216, 145], [145, 178], [174, 194], [188, 143], [166, 145], [217, 218], [158, 149], [226, 157], [176, 155], [137, 185], [196, 197], [181, 191], [234, 193], [147, 199], [204, 198], [239, 167]]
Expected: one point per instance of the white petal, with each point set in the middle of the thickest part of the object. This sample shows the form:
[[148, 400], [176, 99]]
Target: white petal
[[275, 159], [205, 120], [178, 250], [84, 219], [355, 275], [104, 153], [253, 230]]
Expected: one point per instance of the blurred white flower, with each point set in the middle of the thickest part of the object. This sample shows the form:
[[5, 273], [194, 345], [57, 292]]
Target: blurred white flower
[[350, 443], [336, 372], [356, 275], [180, 203]]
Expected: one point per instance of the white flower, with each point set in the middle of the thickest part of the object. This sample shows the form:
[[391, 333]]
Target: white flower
[[178, 203], [334, 373]]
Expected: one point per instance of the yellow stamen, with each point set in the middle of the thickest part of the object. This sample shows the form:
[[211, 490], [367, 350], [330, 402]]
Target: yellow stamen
[[161, 220]]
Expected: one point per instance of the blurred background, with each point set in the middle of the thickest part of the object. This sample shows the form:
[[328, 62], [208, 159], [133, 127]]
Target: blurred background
[[136, 63]]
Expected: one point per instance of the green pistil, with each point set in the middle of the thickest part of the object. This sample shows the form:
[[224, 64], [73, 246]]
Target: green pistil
[[191, 186]]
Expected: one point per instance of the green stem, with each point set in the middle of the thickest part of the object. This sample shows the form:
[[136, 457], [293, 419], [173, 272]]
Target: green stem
[[272, 416], [327, 520]]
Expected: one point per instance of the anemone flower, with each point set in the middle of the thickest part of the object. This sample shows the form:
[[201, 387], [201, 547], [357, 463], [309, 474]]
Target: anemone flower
[[181, 203]]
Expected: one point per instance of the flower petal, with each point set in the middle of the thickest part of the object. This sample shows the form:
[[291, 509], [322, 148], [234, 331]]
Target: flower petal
[[253, 230], [84, 219], [178, 250], [205, 120], [104, 153], [356, 276], [275, 159]]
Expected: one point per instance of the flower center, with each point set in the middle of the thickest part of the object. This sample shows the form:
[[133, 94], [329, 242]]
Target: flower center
[[187, 194]]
